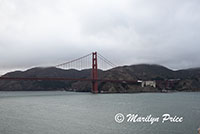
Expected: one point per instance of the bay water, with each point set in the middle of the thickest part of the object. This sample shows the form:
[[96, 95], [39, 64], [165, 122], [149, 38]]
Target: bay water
[[60, 112]]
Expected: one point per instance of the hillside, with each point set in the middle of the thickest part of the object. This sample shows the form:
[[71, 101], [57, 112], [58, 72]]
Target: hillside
[[43, 85], [188, 80]]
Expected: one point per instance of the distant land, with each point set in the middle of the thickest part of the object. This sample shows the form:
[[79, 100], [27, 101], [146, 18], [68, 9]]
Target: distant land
[[165, 80]]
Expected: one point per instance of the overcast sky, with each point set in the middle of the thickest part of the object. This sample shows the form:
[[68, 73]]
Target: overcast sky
[[48, 32]]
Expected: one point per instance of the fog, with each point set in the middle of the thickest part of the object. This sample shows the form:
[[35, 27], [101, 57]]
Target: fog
[[48, 32]]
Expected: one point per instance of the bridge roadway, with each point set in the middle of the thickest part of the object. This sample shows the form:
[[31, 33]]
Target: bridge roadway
[[68, 79]]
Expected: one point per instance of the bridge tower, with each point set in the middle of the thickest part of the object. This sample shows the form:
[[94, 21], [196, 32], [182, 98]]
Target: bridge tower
[[94, 73]]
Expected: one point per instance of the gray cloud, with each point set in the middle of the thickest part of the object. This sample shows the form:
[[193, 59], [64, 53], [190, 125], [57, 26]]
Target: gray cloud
[[46, 32]]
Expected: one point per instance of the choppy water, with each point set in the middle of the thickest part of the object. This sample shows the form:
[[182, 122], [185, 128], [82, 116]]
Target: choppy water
[[85, 113]]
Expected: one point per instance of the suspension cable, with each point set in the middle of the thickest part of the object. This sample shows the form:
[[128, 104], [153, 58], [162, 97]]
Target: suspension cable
[[106, 60], [65, 63]]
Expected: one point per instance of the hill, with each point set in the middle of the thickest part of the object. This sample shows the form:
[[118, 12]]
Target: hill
[[185, 80]]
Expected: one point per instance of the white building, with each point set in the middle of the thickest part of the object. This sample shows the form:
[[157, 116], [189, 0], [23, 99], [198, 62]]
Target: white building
[[148, 83]]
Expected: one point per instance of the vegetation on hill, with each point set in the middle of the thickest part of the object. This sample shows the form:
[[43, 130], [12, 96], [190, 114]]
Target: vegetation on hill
[[188, 79]]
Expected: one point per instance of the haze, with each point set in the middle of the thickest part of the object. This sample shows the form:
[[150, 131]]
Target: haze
[[48, 32]]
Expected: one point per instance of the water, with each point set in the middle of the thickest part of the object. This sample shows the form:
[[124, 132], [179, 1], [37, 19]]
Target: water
[[85, 113]]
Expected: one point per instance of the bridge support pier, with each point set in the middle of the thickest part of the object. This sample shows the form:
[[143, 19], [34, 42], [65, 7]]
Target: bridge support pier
[[94, 73]]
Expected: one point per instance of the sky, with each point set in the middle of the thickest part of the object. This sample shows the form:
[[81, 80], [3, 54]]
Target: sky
[[49, 32]]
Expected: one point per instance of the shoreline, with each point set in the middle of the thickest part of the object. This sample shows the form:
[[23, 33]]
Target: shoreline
[[97, 93]]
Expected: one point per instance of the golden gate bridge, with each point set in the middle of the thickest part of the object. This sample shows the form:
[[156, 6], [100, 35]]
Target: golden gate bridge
[[79, 64]]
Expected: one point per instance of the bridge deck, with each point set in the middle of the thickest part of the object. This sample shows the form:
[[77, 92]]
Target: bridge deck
[[67, 79]]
